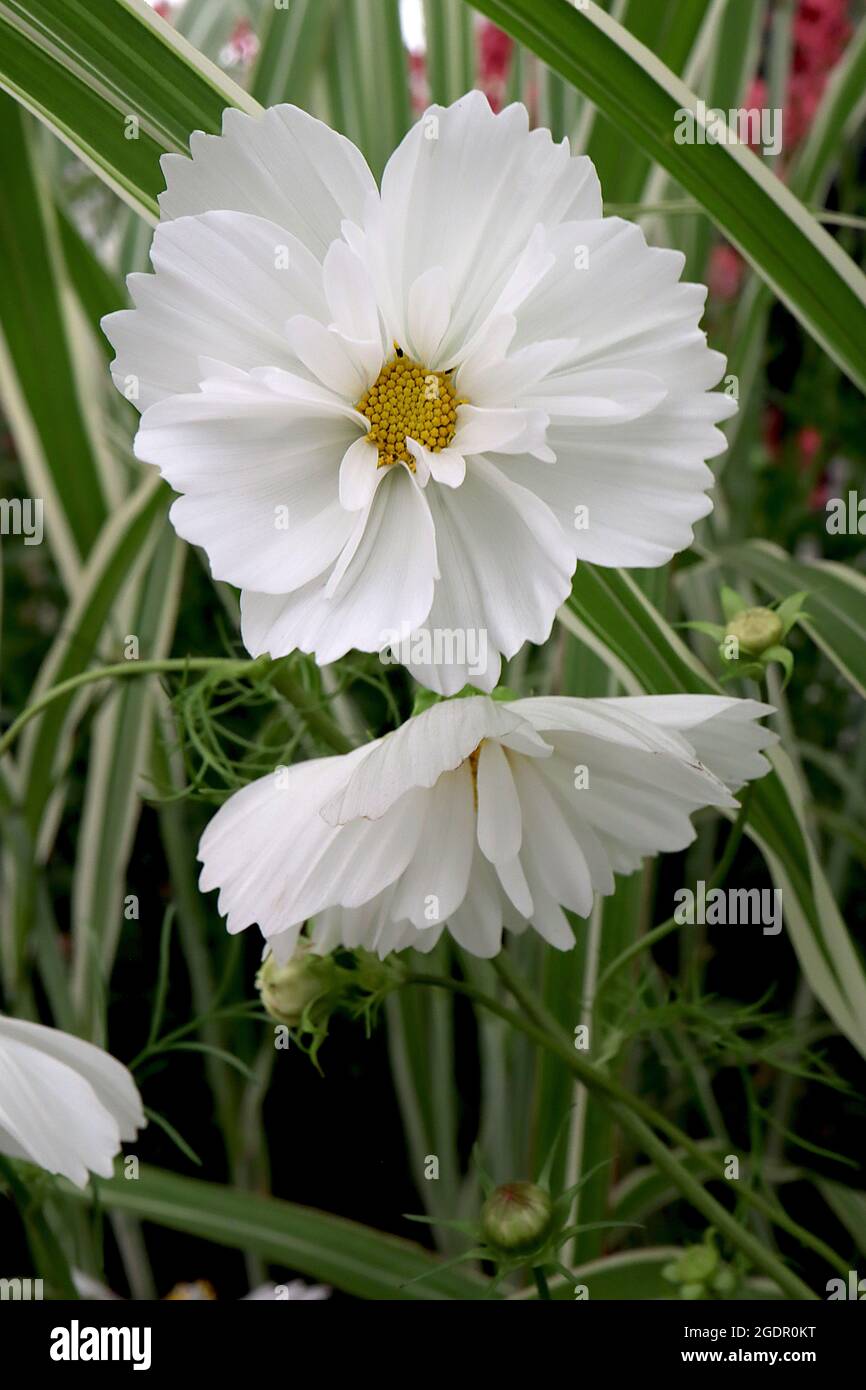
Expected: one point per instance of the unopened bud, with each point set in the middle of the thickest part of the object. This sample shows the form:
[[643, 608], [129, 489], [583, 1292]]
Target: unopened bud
[[287, 990], [517, 1218], [756, 629], [725, 1282]]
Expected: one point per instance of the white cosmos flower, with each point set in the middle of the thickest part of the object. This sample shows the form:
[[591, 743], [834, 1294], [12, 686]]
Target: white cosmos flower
[[476, 814], [64, 1103], [552, 401]]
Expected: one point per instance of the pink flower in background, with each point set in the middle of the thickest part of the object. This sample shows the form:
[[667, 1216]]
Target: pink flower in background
[[494, 60], [418, 85], [809, 441], [242, 46], [755, 100], [726, 272], [821, 32]]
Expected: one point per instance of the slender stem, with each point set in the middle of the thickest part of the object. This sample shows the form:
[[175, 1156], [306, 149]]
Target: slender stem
[[689, 208], [638, 1119], [316, 718], [658, 933], [547, 1023], [118, 671], [522, 992], [541, 1282]]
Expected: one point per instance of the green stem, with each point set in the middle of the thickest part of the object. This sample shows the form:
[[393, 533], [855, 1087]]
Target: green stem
[[541, 1282], [638, 1120], [118, 671], [317, 720], [546, 1022]]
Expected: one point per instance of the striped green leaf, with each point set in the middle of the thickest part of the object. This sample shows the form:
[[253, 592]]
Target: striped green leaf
[[43, 381], [368, 78], [294, 40], [450, 52], [119, 754], [608, 609], [800, 262], [118, 85], [122, 545], [342, 1253]]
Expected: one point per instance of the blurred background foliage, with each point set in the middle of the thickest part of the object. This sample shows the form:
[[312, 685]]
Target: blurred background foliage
[[742, 1043]]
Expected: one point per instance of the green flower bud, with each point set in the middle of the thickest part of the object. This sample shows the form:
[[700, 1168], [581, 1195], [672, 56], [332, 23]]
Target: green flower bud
[[288, 990], [517, 1218], [725, 1282], [756, 630], [692, 1292], [697, 1263]]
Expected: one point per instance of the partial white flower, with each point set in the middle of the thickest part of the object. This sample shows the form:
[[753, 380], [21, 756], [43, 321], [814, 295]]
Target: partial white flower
[[64, 1103], [410, 412], [478, 814]]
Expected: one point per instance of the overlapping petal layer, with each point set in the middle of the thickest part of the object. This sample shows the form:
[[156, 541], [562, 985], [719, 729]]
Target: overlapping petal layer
[[284, 284], [478, 814], [64, 1104]]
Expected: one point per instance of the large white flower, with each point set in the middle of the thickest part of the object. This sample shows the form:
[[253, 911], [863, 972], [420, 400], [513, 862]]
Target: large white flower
[[64, 1103], [476, 814], [410, 412]]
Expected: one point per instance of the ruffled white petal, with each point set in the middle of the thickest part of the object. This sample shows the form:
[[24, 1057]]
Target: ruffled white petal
[[258, 469], [586, 416], [225, 284], [724, 731], [465, 190], [415, 755], [64, 1104], [632, 418], [284, 165], [384, 847], [384, 591], [480, 528]]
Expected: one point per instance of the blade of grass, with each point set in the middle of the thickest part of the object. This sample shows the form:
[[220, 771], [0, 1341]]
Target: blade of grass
[[796, 257], [116, 83], [342, 1253]]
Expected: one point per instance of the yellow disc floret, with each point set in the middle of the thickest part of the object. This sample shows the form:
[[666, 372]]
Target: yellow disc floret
[[408, 399]]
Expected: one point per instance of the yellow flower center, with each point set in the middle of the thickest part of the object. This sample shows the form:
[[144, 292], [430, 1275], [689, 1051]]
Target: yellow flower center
[[408, 399]]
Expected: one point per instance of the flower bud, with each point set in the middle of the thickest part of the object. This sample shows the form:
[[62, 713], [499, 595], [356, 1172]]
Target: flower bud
[[756, 630], [517, 1218], [725, 1282], [697, 1266], [288, 990]]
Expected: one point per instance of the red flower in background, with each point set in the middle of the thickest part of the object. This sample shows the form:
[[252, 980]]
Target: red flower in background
[[809, 442], [820, 32], [418, 86], [242, 47], [494, 61], [726, 272]]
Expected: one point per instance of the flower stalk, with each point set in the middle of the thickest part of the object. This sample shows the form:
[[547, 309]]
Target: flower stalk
[[639, 1120]]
